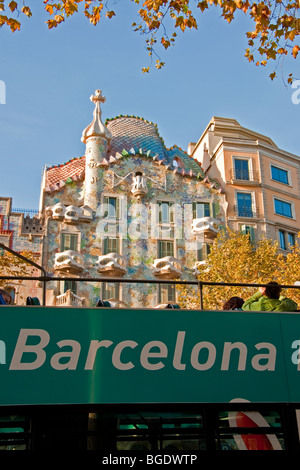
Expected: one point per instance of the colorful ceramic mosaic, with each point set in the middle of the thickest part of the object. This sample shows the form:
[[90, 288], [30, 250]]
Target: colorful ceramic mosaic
[[125, 210]]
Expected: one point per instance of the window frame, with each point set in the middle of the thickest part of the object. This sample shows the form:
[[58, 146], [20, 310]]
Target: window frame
[[282, 169], [108, 240], [288, 203], [203, 255], [250, 169], [164, 297], [282, 240], [116, 291], [253, 204], [76, 236], [118, 208], [206, 204], [159, 251]]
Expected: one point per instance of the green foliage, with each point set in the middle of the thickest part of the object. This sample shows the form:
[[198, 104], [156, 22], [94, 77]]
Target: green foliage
[[234, 259]]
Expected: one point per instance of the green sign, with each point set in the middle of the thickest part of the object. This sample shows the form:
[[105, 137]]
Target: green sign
[[80, 356]]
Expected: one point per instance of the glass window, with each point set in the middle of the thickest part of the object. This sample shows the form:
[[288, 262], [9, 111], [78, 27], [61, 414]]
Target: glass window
[[14, 433], [111, 245], [165, 212], [278, 174], [69, 241], [203, 250], [249, 230], [291, 239], [282, 242], [244, 204], [110, 290], [166, 293], [201, 209], [261, 431], [241, 168], [165, 248], [283, 208], [160, 431], [112, 207]]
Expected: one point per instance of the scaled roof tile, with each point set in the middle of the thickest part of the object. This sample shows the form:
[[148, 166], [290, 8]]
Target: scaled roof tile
[[130, 136]]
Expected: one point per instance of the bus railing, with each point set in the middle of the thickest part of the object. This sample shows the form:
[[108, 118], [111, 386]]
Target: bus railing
[[50, 278]]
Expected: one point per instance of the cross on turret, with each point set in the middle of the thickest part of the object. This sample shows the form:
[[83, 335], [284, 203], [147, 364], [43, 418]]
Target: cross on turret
[[98, 97]]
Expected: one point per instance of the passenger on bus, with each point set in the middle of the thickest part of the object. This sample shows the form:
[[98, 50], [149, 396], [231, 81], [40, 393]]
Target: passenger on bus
[[5, 297], [268, 298], [234, 303]]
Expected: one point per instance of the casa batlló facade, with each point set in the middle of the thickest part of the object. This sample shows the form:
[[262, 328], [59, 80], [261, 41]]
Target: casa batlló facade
[[128, 209]]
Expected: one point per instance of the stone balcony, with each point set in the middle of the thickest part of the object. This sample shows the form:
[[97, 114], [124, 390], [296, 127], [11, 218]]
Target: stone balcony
[[69, 214], [167, 268], [68, 299], [206, 226], [112, 264], [68, 262]]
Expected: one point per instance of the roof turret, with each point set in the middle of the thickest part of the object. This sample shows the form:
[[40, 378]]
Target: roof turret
[[96, 128]]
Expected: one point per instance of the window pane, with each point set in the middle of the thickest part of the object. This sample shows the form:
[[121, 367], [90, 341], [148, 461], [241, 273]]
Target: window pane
[[203, 251], [69, 241], [201, 209], [160, 431], [166, 293], [261, 430], [282, 240], [111, 245], [110, 290], [111, 207], [70, 285], [241, 169], [291, 239], [278, 174], [244, 201], [165, 248], [165, 213], [283, 208]]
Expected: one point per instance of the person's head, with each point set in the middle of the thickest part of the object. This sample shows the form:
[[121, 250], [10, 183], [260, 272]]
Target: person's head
[[6, 296], [272, 290], [232, 303]]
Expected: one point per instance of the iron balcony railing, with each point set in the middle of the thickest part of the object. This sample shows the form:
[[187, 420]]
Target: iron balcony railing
[[244, 175], [245, 211]]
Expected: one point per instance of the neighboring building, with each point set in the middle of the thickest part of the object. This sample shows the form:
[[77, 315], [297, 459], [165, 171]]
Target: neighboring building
[[22, 232], [261, 182], [129, 208]]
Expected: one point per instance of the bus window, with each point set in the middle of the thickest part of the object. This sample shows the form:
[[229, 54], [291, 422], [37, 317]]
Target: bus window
[[249, 430]]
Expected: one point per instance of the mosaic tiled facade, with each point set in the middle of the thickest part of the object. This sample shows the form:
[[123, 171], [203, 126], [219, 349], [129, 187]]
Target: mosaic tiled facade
[[128, 209]]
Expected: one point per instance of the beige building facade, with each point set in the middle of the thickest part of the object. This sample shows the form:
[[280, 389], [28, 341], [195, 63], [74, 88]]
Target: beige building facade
[[261, 182]]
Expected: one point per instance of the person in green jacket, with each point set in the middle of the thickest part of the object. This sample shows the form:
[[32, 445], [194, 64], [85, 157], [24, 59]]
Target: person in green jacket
[[269, 299]]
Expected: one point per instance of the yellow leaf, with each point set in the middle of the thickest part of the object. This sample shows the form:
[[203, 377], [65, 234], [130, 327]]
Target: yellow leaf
[[295, 51]]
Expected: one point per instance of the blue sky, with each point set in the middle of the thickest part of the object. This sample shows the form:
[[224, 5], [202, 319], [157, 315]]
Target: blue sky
[[50, 75]]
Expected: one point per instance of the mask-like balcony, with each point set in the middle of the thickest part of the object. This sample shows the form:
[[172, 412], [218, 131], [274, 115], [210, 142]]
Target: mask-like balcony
[[139, 187], [70, 214], [112, 265], [69, 262], [167, 268], [206, 226]]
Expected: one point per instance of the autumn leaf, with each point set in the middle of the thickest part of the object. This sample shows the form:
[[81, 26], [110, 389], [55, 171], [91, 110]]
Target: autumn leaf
[[13, 5], [295, 51], [276, 22]]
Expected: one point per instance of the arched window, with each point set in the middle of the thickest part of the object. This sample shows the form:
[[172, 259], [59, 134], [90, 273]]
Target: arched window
[[177, 163]]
